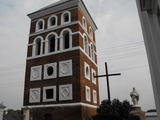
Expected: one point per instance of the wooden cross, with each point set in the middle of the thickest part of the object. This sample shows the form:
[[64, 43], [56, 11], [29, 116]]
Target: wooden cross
[[107, 79]]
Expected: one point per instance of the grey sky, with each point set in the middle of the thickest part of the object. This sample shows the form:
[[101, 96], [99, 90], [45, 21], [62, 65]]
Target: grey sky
[[119, 42]]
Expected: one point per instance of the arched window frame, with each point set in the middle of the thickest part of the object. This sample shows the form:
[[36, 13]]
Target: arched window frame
[[84, 23], [91, 32], [85, 44], [62, 38], [49, 21], [92, 51], [47, 42], [34, 47], [62, 19], [37, 27]]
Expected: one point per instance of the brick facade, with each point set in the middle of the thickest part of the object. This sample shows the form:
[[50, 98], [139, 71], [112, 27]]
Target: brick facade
[[77, 79]]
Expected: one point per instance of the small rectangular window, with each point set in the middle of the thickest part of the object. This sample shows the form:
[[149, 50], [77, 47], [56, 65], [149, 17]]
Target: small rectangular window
[[49, 94]]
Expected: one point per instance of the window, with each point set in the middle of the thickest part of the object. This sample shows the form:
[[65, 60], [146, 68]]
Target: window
[[51, 43], [37, 46], [84, 23], [50, 71], [49, 94], [86, 47], [88, 94], [66, 39], [92, 51], [40, 25], [93, 78], [94, 96], [87, 71], [52, 21], [91, 32], [66, 17]]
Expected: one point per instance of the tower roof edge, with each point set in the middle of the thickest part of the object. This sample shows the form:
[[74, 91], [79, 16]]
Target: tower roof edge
[[57, 6]]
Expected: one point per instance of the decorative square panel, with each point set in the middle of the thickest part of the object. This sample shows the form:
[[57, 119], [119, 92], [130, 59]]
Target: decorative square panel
[[34, 95], [86, 71], [36, 73], [65, 68], [50, 71], [49, 93], [65, 92], [93, 78]]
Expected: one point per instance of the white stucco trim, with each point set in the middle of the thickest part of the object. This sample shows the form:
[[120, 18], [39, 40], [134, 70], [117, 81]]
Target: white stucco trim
[[63, 105], [61, 26], [63, 51], [54, 28], [57, 52]]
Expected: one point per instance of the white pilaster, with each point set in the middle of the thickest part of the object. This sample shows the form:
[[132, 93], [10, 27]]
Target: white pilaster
[[151, 32]]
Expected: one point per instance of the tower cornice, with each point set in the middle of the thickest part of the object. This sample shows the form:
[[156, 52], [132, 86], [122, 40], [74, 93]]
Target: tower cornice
[[65, 4]]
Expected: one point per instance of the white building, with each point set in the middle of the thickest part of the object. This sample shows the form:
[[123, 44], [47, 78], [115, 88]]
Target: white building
[[149, 14], [151, 115]]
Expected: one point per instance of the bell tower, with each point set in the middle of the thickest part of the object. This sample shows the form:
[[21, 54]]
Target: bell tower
[[61, 63]]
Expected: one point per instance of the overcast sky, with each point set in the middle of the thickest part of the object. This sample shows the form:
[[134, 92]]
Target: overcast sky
[[119, 42]]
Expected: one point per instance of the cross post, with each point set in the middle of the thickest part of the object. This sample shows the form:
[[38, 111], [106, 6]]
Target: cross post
[[107, 80]]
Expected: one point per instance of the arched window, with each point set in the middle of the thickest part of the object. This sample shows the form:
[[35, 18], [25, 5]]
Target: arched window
[[92, 51], [84, 23], [51, 43], [66, 17], [66, 39], [40, 25], [37, 46], [91, 32], [52, 21], [86, 44]]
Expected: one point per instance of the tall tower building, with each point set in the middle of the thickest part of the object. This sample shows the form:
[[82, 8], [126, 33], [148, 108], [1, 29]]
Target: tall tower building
[[61, 63]]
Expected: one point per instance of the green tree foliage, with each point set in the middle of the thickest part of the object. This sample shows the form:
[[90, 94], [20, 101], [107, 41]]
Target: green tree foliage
[[12, 115], [114, 110]]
